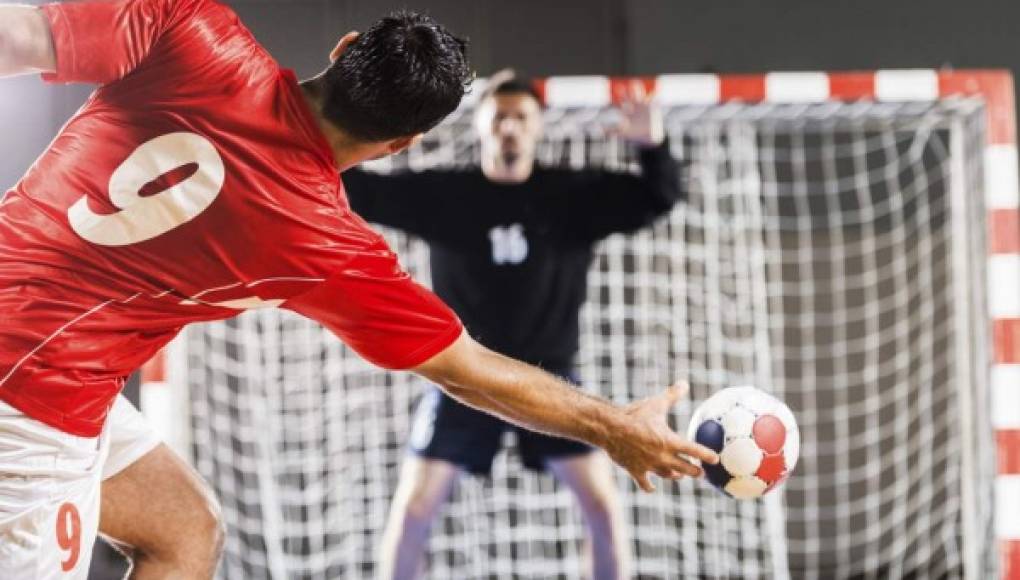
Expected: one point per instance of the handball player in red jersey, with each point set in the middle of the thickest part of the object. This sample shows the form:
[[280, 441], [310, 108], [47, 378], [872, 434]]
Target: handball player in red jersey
[[200, 180]]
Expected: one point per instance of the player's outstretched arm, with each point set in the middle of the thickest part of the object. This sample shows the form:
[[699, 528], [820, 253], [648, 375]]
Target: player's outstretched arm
[[637, 437], [26, 45]]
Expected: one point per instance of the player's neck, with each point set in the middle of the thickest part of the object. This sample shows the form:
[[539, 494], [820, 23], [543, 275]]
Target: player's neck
[[346, 150], [501, 173]]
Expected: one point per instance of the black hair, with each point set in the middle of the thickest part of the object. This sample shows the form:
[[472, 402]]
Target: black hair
[[399, 78], [513, 86]]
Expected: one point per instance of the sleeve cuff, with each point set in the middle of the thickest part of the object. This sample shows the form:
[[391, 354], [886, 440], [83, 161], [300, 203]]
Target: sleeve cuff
[[430, 349], [63, 43]]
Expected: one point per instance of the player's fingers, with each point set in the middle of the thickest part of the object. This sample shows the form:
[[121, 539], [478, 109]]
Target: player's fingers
[[667, 473], [672, 395], [677, 391], [685, 467], [640, 94], [642, 481], [691, 449], [625, 96]]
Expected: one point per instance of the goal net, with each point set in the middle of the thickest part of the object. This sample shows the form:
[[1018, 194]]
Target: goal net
[[831, 253]]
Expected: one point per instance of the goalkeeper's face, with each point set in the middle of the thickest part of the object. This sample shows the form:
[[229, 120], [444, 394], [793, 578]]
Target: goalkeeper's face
[[509, 128]]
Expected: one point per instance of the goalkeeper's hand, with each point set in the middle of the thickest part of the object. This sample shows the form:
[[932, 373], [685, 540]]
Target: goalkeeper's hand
[[641, 117]]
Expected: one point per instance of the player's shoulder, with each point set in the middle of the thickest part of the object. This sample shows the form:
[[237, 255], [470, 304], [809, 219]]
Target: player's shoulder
[[216, 20], [205, 50], [186, 6], [180, 11], [214, 29]]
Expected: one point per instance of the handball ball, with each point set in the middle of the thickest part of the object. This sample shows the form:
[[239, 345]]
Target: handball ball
[[755, 436]]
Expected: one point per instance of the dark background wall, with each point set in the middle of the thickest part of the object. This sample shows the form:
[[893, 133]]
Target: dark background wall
[[559, 37], [545, 37]]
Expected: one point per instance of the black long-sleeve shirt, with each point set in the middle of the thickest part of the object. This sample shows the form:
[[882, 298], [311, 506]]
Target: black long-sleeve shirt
[[512, 260]]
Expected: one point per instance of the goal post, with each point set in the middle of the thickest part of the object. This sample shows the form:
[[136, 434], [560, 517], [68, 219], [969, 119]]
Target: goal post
[[851, 243]]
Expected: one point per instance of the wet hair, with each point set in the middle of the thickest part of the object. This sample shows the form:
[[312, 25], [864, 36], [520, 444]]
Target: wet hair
[[401, 77]]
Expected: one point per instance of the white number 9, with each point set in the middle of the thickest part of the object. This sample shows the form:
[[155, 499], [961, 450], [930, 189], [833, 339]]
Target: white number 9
[[143, 218]]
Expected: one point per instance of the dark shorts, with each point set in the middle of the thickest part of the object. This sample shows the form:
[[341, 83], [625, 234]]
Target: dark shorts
[[448, 430]]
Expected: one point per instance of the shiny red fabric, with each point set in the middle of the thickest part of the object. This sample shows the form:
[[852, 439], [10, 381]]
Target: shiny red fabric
[[96, 275]]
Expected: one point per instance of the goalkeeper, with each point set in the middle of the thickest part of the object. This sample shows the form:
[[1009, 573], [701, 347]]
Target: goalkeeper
[[511, 245]]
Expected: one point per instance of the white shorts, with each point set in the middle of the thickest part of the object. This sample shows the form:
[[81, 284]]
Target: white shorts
[[50, 486]]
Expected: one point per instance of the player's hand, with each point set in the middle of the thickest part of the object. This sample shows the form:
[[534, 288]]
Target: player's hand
[[641, 118], [647, 444]]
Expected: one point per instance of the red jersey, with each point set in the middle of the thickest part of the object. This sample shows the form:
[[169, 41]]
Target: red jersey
[[192, 185]]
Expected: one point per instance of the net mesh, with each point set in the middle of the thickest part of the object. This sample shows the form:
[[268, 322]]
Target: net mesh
[[828, 253]]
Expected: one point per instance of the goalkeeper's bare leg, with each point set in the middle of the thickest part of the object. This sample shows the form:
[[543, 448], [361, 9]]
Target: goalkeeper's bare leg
[[424, 487], [590, 478]]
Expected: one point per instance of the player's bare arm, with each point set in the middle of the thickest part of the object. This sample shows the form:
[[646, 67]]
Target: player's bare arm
[[637, 436], [25, 42]]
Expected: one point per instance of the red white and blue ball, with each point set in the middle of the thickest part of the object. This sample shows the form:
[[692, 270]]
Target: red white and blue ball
[[755, 435]]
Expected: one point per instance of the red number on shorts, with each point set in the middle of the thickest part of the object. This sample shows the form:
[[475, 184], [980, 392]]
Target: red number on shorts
[[69, 534]]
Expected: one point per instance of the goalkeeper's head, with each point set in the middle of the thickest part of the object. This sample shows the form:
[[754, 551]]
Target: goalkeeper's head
[[509, 122]]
